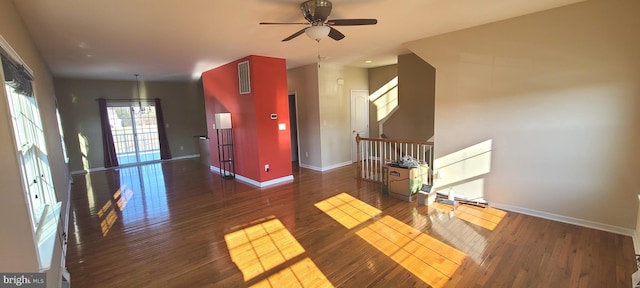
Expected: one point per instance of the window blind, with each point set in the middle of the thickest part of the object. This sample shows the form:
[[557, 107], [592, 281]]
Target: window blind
[[17, 77]]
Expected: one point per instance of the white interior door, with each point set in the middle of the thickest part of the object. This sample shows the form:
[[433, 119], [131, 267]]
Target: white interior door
[[359, 118]]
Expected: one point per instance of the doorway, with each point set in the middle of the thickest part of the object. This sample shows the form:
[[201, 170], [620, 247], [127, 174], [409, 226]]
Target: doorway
[[293, 126], [135, 132]]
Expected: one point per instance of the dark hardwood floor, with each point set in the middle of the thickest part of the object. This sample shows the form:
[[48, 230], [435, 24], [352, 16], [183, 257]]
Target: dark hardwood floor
[[176, 224]]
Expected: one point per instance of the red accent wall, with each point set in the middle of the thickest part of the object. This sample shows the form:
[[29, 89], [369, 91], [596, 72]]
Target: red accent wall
[[257, 139]]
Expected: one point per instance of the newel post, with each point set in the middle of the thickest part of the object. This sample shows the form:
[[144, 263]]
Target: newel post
[[359, 162]]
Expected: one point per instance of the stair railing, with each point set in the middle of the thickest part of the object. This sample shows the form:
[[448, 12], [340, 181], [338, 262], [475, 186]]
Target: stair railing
[[374, 153]]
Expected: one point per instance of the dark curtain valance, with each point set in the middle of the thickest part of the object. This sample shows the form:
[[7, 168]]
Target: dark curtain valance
[[17, 77]]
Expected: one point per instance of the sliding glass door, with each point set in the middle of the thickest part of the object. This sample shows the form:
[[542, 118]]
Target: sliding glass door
[[135, 132]]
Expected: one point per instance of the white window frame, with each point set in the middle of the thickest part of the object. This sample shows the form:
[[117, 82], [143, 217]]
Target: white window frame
[[31, 153]]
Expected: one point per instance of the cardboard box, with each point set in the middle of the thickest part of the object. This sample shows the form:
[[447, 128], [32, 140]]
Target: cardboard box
[[385, 180], [401, 183]]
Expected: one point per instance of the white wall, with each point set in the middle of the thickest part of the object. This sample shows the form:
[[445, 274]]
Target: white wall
[[335, 85], [558, 94]]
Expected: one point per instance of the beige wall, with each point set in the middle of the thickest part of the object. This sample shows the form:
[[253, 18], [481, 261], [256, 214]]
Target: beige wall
[[335, 85], [414, 119], [17, 244], [324, 112], [303, 81], [557, 93], [378, 78], [182, 105], [414, 116]]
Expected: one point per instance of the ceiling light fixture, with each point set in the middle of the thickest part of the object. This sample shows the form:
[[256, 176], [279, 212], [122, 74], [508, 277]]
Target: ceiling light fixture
[[141, 109], [317, 32]]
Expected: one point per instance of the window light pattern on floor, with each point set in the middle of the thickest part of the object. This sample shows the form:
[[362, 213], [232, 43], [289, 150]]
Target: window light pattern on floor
[[108, 217], [261, 247], [487, 217], [427, 258], [347, 210], [304, 273]]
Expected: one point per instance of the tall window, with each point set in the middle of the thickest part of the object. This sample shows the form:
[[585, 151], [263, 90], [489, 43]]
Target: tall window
[[29, 139]]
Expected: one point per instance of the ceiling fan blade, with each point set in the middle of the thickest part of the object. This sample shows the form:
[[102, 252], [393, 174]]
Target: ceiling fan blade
[[294, 35], [351, 22], [335, 34], [283, 23]]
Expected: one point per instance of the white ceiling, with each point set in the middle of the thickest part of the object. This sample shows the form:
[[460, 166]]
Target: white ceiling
[[177, 40]]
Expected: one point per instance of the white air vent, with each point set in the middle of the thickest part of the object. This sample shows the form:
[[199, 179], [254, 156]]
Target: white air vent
[[243, 76]]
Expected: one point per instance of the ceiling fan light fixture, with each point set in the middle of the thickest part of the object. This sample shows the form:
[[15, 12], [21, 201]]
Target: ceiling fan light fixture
[[317, 12], [317, 32]]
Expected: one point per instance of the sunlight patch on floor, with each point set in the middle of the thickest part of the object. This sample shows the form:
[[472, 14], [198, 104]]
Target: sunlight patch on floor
[[487, 217], [262, 247], [122, 198], [347, 210], [304, 273], [429, 259], [108, 217]]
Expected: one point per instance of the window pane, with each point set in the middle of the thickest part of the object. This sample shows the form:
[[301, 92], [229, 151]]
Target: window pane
[[32, 153]]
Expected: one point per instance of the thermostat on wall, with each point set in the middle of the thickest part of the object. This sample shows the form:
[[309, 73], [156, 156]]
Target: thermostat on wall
[[274, 116]]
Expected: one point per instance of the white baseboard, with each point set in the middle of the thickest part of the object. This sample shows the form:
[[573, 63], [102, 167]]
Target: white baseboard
[[88, 170], [325, 168], [566, 219], [184, 157], [266, 183], [102, 168], [302, 165], [254, 182]]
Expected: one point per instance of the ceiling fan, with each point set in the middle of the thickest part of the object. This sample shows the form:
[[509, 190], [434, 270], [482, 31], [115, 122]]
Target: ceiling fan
[[316, 12]]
